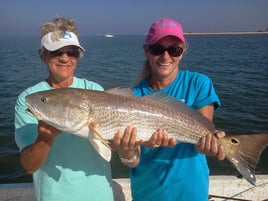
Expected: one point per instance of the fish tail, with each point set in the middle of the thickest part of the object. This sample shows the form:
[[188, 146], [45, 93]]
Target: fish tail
[[244, 152]]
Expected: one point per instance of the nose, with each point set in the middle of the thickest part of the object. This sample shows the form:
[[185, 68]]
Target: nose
[[165, 54], [64, 57]]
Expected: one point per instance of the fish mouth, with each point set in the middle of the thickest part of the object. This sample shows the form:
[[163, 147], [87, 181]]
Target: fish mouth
[[30, 111]]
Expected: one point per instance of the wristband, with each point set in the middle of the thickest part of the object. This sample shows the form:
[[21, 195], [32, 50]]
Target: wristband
[[132, 159]]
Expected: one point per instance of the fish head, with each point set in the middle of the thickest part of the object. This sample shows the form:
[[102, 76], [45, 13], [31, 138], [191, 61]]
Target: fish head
[[59, 108], [243, 153]]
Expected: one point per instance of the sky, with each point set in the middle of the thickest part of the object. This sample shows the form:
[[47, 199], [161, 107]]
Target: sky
[[124, 17]]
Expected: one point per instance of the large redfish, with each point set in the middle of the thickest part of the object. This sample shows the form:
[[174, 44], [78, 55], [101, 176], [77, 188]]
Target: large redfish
[[97, 115]]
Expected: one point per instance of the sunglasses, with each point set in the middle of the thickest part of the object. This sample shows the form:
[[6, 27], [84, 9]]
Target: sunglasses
[[72, 52], [174, 51]]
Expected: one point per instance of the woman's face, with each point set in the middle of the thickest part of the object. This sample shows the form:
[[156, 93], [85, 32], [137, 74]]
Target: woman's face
[[62, 63], [164, 65]]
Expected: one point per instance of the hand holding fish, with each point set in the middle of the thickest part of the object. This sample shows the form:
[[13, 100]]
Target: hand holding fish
[[209, 145], [127, 146], [160, 138], [47, 132]]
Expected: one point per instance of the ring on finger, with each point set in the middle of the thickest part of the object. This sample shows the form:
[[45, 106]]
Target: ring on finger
[[156, 145]]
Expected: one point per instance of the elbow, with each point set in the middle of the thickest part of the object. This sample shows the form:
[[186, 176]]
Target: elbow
[[26, 162], [29, 171], [28, 168]]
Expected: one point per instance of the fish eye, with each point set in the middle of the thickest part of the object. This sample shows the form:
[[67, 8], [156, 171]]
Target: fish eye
[[44, 99], [234, 141]]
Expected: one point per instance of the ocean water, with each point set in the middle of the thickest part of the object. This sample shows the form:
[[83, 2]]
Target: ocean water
[[237, 64]]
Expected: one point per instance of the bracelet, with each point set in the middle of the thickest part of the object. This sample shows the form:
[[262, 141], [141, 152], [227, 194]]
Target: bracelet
[[132, 159]]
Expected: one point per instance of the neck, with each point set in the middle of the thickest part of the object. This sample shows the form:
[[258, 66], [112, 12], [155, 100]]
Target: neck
[[160, 82], [56, 83]]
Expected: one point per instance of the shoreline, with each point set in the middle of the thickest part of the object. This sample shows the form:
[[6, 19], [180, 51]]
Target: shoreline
[[226, 33]]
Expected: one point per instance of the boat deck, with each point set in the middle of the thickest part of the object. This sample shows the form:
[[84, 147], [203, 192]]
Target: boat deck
[[221, 188]]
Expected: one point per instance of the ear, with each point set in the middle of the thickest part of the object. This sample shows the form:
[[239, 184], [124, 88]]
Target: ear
[[41, 54], [145, 48], [184, 51]]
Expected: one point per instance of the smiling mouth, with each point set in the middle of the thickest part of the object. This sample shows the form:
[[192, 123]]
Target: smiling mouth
[[63, 66], [163, 64]]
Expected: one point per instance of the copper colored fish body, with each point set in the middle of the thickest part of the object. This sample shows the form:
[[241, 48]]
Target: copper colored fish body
[[97, 115]]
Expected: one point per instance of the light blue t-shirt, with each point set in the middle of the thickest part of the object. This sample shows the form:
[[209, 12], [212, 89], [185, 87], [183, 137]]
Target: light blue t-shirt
[[73, 171], [179, 173]]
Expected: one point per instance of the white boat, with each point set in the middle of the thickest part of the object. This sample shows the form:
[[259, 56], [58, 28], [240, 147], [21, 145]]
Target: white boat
[[222, 188], [109, 35]]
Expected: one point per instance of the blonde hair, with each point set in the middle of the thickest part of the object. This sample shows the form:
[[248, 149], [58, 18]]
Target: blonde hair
[[145, 73], [58, 25]]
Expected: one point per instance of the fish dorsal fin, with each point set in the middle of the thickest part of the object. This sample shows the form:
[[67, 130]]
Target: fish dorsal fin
[[101, 145], [122, 91], [162, 98], [181, 106]]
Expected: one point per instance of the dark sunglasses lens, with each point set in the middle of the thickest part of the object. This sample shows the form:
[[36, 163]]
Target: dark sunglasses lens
[[70, 52], [73, 53], [173, 51], [55, 53], [156, 49]]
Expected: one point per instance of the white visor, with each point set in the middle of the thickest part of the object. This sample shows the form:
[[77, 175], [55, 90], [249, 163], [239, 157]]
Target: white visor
[[68, 38]]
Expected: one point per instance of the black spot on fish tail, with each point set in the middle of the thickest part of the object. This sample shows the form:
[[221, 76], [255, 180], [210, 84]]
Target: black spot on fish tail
[[244, 152]]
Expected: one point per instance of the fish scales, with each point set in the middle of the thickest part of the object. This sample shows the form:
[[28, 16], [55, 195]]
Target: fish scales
[[116, 112]]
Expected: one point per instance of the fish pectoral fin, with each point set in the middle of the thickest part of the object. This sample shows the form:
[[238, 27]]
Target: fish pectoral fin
[[101, 145], [93, 128], [102, 149]]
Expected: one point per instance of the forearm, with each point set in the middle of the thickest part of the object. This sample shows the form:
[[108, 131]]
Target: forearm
[[209, 144], [33, 156], [208, 112]]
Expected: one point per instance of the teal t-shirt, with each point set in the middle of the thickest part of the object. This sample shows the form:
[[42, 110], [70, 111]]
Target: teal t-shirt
[[73, 171], [178, 173]]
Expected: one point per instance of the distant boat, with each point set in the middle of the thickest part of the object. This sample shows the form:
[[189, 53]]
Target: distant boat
[[109, 35]]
